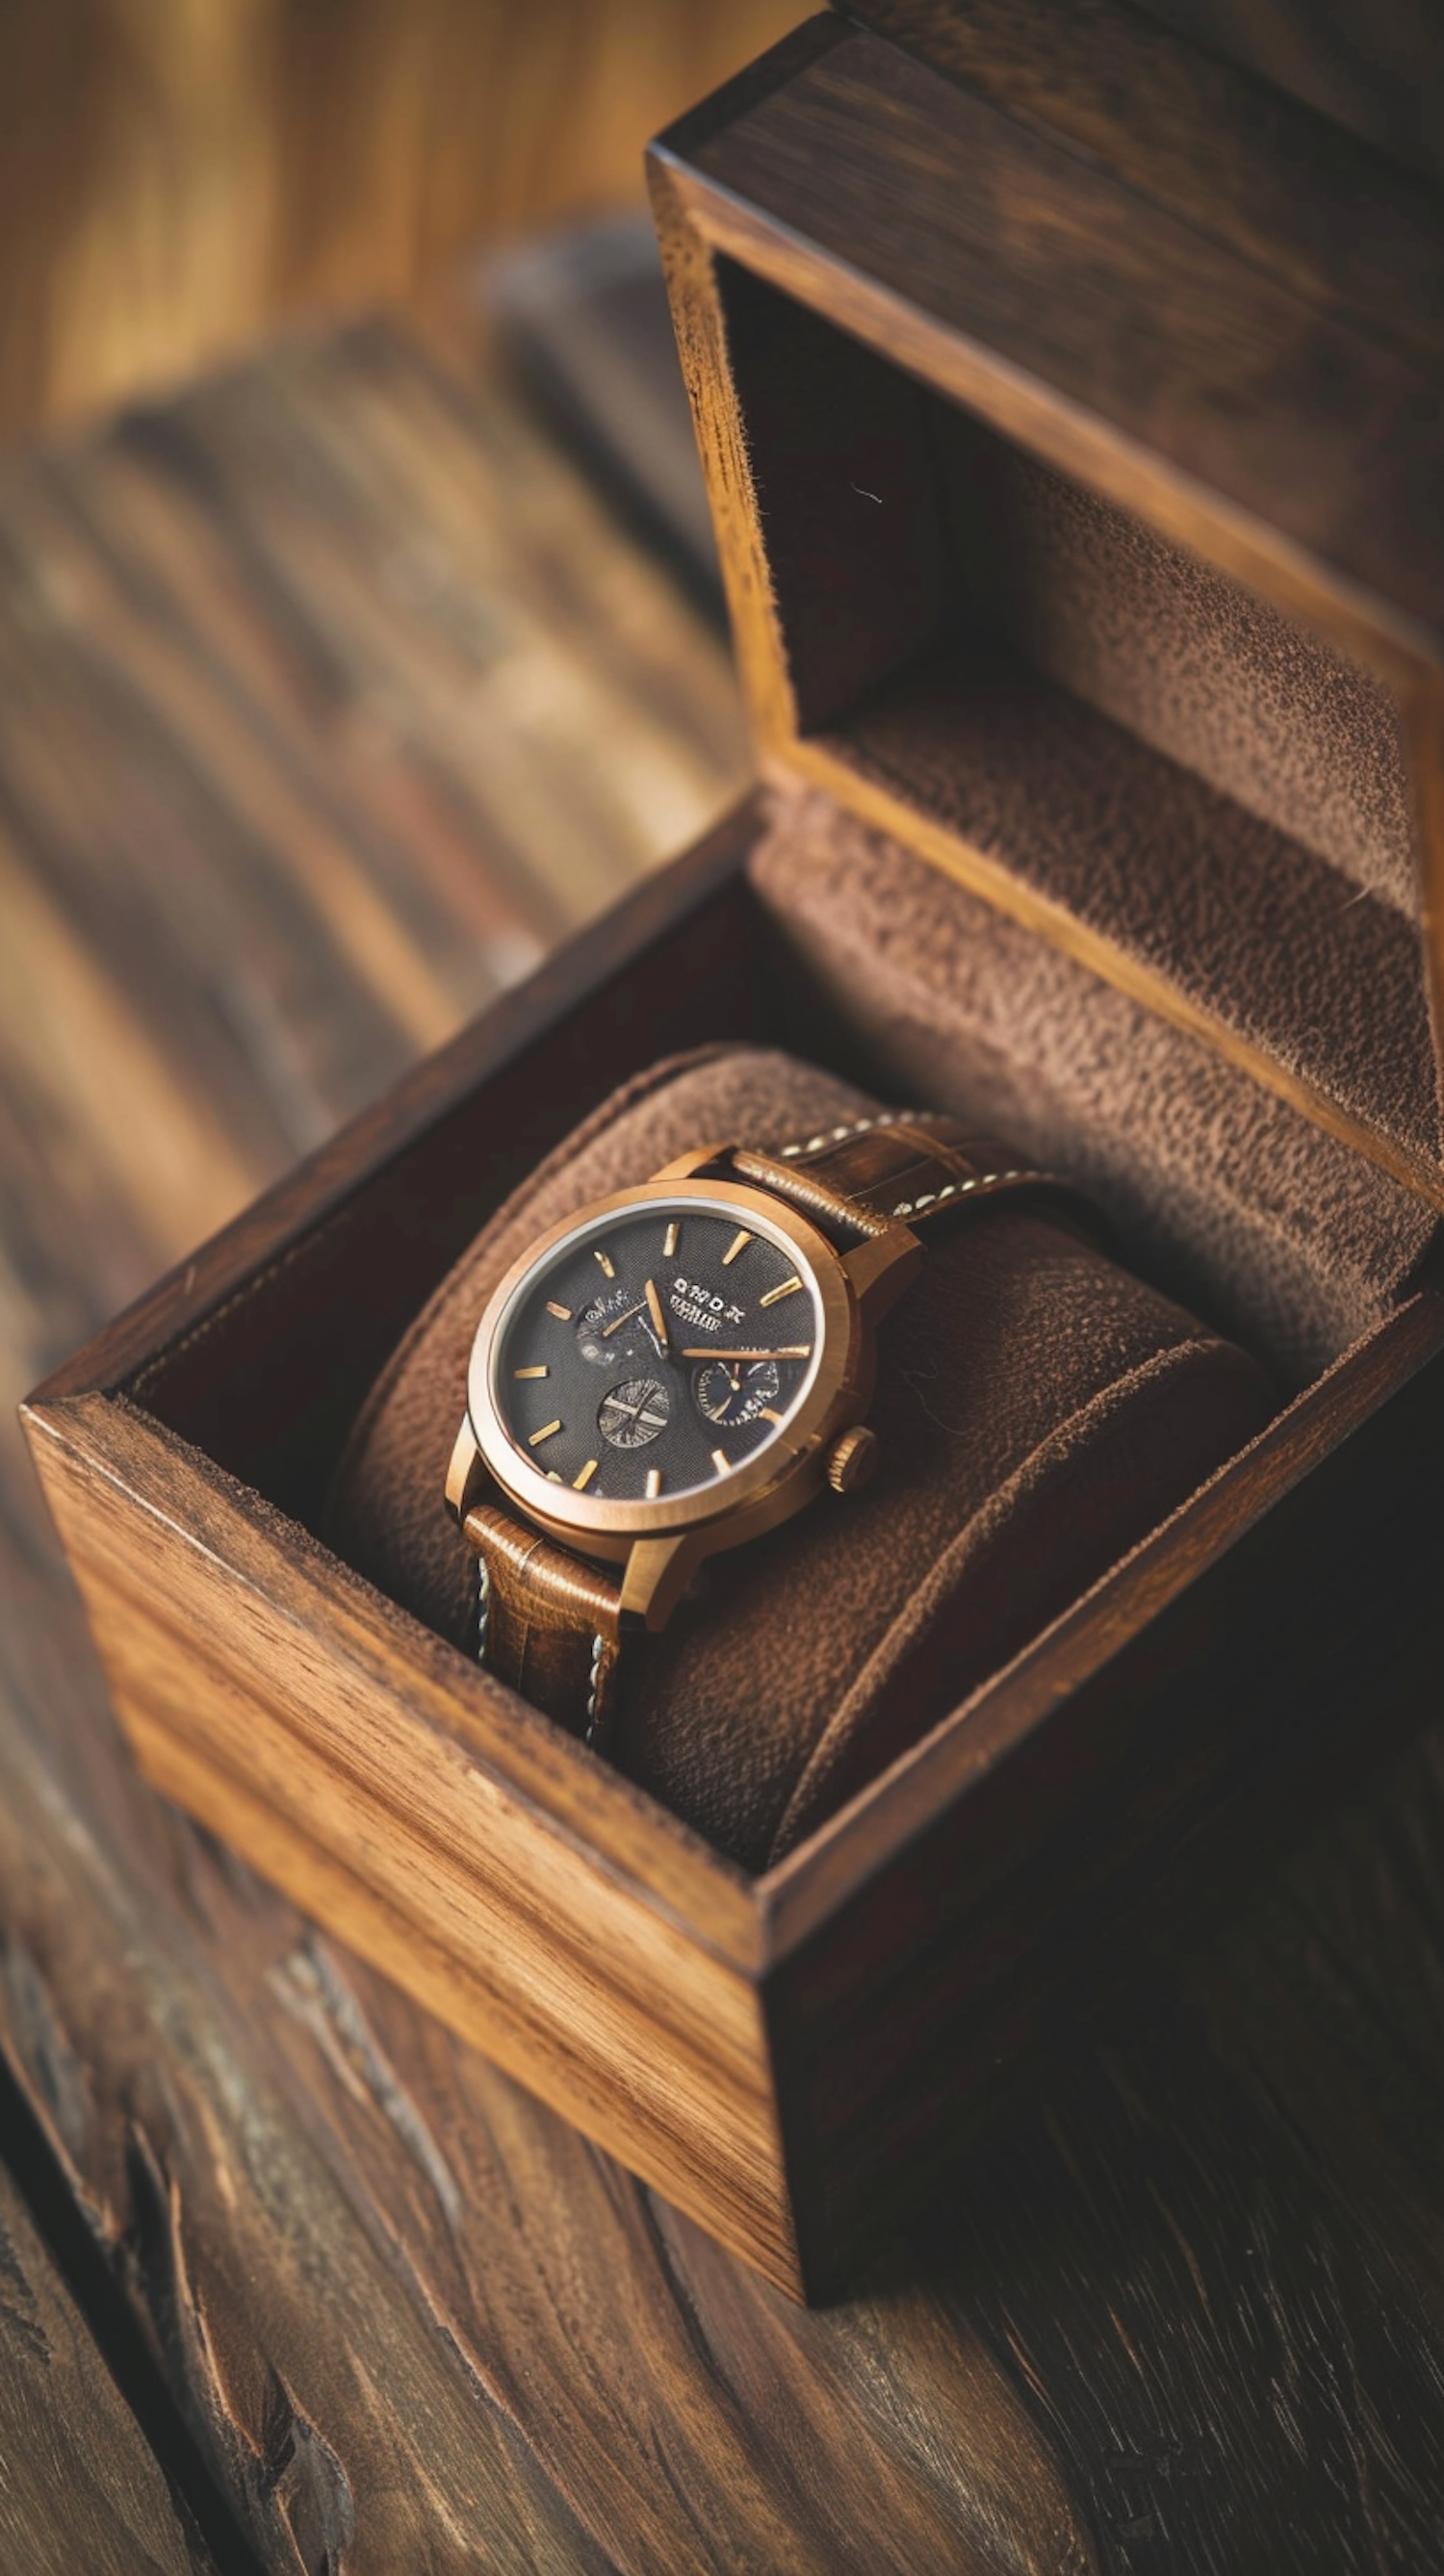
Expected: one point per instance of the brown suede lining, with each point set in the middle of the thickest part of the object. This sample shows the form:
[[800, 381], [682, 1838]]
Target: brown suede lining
[[1265, 710], [1246, 923], [1276, 1232], [1213, 787], [1040, 1410]]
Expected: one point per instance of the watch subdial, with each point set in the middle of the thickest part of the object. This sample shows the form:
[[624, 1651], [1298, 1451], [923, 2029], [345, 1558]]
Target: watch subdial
[[735, 1391], [613, 1328], [635, 1412]]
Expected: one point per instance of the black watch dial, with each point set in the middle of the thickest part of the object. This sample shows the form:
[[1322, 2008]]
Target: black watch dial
[[655, 1350]]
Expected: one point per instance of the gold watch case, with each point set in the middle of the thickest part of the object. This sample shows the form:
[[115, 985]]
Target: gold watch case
[[662, 1542]]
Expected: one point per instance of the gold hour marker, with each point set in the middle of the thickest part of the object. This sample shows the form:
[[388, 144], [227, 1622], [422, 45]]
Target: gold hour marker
[[768, 1415], [531, 1372], [654, 1483], [784, 1288], [719, 1461], [659, 1320], [545, 1432], [604, 1260], [581, 1482], [563, 1314], [739, 1243], [669, 1241]]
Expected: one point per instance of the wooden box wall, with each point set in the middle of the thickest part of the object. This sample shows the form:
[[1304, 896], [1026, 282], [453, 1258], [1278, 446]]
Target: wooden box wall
[[780, 2056], [897, 296]]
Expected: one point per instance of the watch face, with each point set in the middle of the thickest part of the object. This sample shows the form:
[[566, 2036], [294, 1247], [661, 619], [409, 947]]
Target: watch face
[[653, 1350]]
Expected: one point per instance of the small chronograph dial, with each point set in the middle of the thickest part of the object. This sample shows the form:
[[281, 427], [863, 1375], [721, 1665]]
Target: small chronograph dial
[[737, 1390], [634, 1413], [655, 1349]]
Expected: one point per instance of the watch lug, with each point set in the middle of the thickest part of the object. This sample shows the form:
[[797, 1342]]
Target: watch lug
[[466, 1473], [657, 1574], [881, 1268], [687, 1166]]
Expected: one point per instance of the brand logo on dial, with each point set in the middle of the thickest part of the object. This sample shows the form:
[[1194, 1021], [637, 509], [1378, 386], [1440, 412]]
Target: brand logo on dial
[[697, 1305]]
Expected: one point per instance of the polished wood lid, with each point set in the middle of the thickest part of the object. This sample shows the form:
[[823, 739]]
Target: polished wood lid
[[1021, 267]]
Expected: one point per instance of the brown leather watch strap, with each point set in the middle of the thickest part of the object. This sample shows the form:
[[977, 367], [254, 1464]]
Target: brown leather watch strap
[[905, 1168], [548, 1622]]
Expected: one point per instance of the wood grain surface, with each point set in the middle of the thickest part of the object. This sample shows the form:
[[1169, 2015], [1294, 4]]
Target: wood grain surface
[[1205, 138], [1374, 65], [1080, 301], [79, 2484], [1186, 2316]]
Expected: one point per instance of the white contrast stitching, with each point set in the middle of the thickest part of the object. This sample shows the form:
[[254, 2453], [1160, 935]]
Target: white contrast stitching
[[979, 1181], [904, 1118], [599, 1648], [859, 1127]]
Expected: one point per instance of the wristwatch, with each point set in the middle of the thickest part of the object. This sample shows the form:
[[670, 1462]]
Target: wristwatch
[[680, 1367]]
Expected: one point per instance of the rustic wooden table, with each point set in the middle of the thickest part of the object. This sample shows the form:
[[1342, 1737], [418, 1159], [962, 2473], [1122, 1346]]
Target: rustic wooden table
[[330, 700]]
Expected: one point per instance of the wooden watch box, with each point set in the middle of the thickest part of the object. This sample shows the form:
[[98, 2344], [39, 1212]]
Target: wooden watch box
[[1072, 433]]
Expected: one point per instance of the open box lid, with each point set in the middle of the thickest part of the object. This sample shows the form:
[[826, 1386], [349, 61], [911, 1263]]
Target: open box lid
[[1074, 445]]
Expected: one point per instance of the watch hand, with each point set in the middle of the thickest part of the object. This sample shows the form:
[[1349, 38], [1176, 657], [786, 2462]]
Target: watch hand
[[659, 1320], [608, 1329], [788, 1351]]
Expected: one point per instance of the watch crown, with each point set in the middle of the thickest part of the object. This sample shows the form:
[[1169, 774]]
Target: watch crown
[[852, 1460]]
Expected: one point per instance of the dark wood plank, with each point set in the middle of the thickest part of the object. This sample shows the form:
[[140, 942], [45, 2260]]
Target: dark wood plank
[[1190, 2315], [1071, 303], [1195, 134], [348, 2426], [327, 629], [1372, 65], [79, 2487]]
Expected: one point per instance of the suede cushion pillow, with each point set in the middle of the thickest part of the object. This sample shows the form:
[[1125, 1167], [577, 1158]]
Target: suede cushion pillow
[[1039, 1410]]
